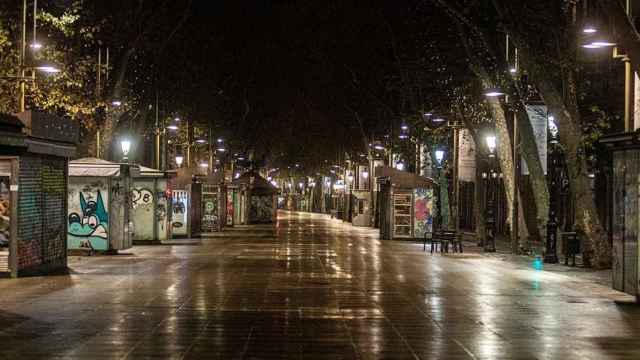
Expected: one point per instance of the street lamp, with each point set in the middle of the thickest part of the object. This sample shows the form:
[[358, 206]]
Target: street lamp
[[490, 194], [439, 157], [179, 160], [125, 145]]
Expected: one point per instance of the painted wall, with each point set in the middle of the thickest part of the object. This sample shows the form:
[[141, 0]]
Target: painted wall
[[142, 209], [88, 213]]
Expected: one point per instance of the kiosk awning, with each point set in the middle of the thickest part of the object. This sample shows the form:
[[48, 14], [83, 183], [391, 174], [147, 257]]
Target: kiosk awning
[[403, 179]]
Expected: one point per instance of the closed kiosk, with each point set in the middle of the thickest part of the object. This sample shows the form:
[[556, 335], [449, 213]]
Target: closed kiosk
[[624, 185], [34, 152], [99, 205], [407, 204]]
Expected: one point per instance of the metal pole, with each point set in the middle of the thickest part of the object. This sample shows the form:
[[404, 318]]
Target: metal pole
[[23, 51], [157, 139], [628, 94], [456, 184]]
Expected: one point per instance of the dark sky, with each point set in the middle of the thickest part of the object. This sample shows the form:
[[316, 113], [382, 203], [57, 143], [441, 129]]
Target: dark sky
[[287, 77]]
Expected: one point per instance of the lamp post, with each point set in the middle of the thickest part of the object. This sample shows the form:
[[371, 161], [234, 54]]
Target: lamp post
[[551, 255], [439, 155], [125, 145], [490, 241]]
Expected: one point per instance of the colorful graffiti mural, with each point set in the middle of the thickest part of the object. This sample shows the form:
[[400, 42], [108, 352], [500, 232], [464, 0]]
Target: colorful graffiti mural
[[423, 212], [210, 218], [89, 227], [141, 198]]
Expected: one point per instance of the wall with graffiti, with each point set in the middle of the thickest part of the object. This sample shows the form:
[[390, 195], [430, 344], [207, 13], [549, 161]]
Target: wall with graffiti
[[261, 209], [88, 208], [423, 212], [210, 219], [142, 210]]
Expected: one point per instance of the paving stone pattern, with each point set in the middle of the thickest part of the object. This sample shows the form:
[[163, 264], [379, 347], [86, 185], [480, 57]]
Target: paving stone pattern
[[311, 288]]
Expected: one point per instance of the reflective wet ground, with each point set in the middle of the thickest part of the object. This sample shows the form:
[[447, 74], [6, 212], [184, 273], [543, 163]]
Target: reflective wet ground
[[313, 288]]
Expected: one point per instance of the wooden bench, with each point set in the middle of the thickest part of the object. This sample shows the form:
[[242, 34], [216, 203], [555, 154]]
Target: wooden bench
[[444, 238]]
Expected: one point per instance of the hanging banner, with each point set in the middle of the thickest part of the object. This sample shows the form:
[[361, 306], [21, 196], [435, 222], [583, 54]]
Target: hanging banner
[[466, 156], [538, 117]]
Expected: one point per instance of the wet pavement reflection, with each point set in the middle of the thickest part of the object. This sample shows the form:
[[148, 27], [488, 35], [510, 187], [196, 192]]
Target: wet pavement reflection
[[310, 288]]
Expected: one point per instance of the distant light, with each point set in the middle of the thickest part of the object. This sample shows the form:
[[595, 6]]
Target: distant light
[[220, 140], [274, 183], [35, 46], [350, 177], [427, 114], [172, 127], [269, 178], [221, 149], [493, 93], [591, 46], [591, 175], [438, 120], [404, 127], [204, 165], [439, 156], [116, 103], [491, 143], [513, 70], [589, 30], [48, 69], [400, 166], [176, 119], [179, 160], [603, 43], [365, 174], [241, 158], [126, 147], [201, 141], [403, 136], [237, 175], [378, 147], [301, 185]]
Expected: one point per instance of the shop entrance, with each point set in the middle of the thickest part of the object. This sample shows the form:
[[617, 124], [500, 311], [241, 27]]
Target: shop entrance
[[5, 217]]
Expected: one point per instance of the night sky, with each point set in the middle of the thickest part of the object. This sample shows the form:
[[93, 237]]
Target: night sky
[[302, 81]]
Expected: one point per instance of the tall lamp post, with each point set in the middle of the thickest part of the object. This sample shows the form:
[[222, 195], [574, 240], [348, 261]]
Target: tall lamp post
[[439, 155], [490, 195], [551, 255]]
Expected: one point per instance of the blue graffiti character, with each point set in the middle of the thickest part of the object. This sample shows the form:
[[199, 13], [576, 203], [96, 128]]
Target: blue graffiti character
[[93, 222]]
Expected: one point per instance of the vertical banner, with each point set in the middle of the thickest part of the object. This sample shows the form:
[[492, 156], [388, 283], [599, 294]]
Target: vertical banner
[[539, 119], [466, 156]]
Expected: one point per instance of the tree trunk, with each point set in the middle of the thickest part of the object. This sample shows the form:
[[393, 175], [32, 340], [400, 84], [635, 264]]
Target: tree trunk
[[529, 152]]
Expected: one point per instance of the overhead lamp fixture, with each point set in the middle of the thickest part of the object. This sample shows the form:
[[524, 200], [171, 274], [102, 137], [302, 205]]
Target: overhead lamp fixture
[[172, 127], [494, 92], [35, 46], [589, 30], [48, 69], [204, 165], [116, 103], [201, 141], [513, 70], [365, 174], [404, 127], [400, 166], [179, 160], [438, 120], [125, 144]]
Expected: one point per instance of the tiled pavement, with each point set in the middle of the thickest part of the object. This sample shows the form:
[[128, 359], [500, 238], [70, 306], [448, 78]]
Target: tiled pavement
[[312, 288]]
